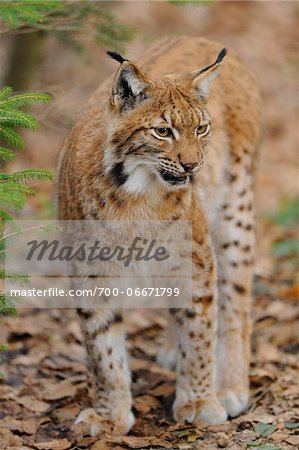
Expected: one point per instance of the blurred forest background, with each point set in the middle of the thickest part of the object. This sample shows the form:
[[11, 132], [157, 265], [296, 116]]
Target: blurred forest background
[[59, 49]]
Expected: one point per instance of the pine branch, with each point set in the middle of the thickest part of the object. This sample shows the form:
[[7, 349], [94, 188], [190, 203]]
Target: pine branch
[[7, 304], [17, 118], [13, 193], [5, 217], [10, 186], [15, 14], [5, 92], [27, 175], [6, 154], [11, 136], [14, 277], [68, 20], [15, 101]]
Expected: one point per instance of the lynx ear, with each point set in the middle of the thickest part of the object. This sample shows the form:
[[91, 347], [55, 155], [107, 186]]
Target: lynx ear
[[130, 84], [203, 78]]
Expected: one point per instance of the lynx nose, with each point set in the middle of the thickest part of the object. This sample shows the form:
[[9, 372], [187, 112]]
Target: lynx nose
[[188, 167]]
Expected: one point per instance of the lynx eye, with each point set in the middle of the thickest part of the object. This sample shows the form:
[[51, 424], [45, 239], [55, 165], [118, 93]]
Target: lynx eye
[[202, 130], [163, 132]]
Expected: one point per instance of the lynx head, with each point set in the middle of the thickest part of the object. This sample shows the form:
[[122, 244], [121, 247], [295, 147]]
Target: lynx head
[[159, 128]]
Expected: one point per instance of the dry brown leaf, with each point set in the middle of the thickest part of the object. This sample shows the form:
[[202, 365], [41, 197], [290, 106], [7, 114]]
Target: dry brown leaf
[[7, 393], [137, 364], [278, 436], [57, 390], [34, 357], [55, 444], [27, 426], [20, 448], [260, 376], [136, 442], [157, 442], [291, 293], [294, 440], [145, 403], [140, 442], [32, 404], [9, 440], [268, 352], [164, 390], [100, 445], [256, 416], [69, 412], [85, 442]]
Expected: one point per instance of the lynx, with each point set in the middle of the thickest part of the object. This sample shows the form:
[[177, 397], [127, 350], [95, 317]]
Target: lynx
[[173, 138]]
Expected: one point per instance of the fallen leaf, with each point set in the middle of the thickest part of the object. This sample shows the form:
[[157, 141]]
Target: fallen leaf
[[136, 442], [69, 412], [261, 377], [57, 390], [55, 444], [291, 425], [194, 435], [164, 390], [145, 403], [32, 404], [291, 293], [100, 445], [34, 357], [264, 429], [7, 393], [294, 440], [27, 426], [9, 439], [263, 447]]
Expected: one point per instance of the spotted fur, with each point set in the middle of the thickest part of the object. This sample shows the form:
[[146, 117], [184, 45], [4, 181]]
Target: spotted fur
[[117, 165]]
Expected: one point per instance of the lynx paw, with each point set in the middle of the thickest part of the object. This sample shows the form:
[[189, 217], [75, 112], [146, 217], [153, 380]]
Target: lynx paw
[[234, 402], [206, 410], [98, 424]]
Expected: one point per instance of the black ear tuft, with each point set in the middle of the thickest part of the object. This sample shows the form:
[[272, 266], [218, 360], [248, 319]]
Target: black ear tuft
[[221, 56], [116, 56], [218, 61]]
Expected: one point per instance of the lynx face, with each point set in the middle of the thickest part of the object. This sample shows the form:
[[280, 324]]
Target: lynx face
[[159, 129]]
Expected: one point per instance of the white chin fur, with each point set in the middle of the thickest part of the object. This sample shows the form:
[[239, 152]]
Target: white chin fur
[[140, 181]]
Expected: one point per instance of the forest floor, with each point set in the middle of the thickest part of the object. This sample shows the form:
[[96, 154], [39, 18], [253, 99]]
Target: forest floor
[[45, 382]]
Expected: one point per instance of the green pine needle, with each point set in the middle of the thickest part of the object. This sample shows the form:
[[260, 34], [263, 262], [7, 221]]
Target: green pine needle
[[13, 195], [15, 14], [6, 154], [14, 277], [15, 101], [13, 192], [22, 176], [5, 92], [17, 119], [11, 136]]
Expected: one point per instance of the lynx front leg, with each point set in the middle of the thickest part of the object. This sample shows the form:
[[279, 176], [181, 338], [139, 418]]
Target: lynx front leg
[[235, 244], [196, 398], [104, 340]]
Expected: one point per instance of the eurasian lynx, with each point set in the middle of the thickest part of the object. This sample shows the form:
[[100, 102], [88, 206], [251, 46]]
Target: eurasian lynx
[[164, 142]]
